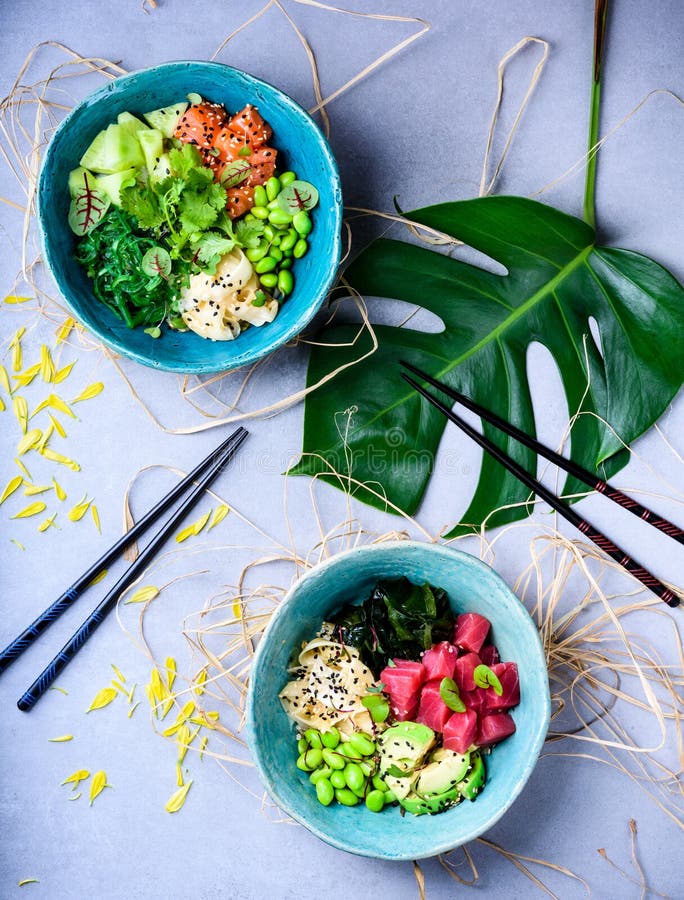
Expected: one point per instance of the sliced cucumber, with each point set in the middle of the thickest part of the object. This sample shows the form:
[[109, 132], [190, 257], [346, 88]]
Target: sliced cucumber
[[112, 185], [194, 98], [94, 158], [130, 122], [122, 150], [162, 170], [165, 119], [152, 143]]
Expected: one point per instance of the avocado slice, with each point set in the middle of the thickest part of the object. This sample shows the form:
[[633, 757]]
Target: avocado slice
[[475, 780], [436, 787], [404, 746]]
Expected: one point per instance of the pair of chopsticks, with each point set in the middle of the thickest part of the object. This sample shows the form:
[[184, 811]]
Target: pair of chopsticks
[[206, 472], [593, 481]]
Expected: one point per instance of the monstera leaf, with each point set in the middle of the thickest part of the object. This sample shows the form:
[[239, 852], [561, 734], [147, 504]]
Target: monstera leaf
[[557, 281]]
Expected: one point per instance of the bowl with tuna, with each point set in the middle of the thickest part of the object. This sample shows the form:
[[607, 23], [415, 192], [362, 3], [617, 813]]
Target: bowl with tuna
[[398, 700]]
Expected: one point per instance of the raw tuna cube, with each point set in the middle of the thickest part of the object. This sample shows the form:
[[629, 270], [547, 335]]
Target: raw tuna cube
[[477, 701], [432, 711], [470, 631], [402, 684], [409, 664], [463, 671], [507, 673], [440, 660], [489, 655], [460, 731], [494, 728]]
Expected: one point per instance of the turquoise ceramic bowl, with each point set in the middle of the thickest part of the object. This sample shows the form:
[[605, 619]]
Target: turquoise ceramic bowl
[[473, 587], [302, 148]]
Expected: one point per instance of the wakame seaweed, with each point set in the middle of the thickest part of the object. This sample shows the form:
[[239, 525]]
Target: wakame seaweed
[[399, 619]]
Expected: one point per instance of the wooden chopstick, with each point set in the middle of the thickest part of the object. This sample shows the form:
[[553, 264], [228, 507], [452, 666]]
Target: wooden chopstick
[[73, 645], [597, 537], [593, 481], [16, 647]]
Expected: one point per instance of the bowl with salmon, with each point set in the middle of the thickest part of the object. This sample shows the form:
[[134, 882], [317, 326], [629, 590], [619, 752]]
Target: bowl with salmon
[[191, 216]]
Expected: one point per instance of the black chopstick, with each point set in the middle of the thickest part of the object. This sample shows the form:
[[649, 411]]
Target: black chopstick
[[597, 537], [591, 480], [16, 647], [73, 645]]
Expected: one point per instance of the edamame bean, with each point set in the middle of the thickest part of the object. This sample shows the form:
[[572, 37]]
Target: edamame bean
[[330, 738], [260, 196], [254, 254], [269, 280], [269, 233], [273, 187], [260, 212], [287, 262], [367, 767], [301, 763], [302, 223], [389, 797], [302, 745], [313, 758], [272, 204], [346, 797], [348, 751], [287, 178], [360, 792], [333, 759], [277, 217], [285, 282], [300, 248], [321, 772], [313, 738], [379, 784], [375, 800], [354, 777], [289, 239], [360, 741], [276, 253], [325, 792], [337, 779], [267, 264]]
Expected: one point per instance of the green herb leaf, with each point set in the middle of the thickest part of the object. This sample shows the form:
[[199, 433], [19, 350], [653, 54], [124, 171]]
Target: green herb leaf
[[235, 173], [395, 772], [141, 201], [245, 151], [448, 691], [248, 234], [156, 262], [377, 706], [210, 248], [153, 332], [484, 678], [557, 281], [88, 207], [297, 196]]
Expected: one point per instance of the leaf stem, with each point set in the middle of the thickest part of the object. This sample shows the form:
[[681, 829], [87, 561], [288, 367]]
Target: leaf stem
[[600, 16]]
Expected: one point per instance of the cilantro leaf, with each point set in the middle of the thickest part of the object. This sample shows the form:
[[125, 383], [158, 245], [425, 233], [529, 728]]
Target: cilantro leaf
[[210, 248], [182, 161], [195, 213], [141, 202], [248, 234]]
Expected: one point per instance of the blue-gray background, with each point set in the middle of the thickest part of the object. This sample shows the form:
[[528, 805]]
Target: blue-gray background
[[416, 128]]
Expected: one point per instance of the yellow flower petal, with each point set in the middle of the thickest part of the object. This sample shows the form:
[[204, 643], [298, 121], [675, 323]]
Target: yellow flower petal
[[88, 393], [46, 523], [176, 800], [102, 698], [201, 522], [75, 796], [20, 546], [63, 373], [20, 407], [14, 299], [200, 682], [27, 376], [11, 487], [2, 405], [203, 746], [119, 674], [57, 425], [58, 458], [56, 403], [219, 515], [64, 330], [24, 880], [30, 440], [98, 577], [77, 512], [143, 594], [31, 510], [77, 777], [59, 490], [30, 490], [47, 367], [23, 468], [97, 785], [61, 739], [170, 671], [179, 775], [17, 357], [96, 516], [133, 709], [4, 380]]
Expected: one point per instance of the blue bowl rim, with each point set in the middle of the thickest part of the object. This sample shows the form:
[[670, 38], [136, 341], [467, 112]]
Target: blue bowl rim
[[536, 740], [239, 359]]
